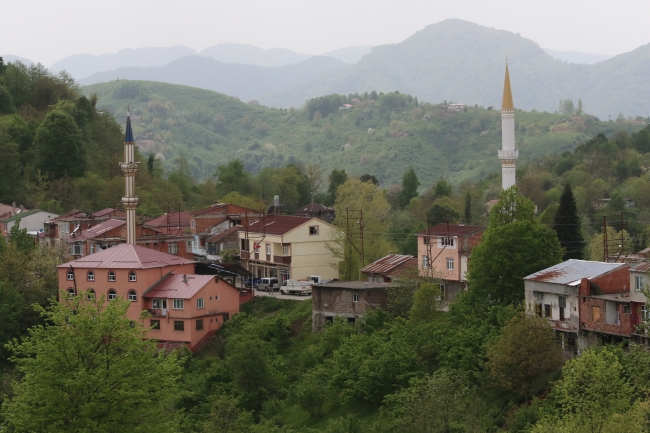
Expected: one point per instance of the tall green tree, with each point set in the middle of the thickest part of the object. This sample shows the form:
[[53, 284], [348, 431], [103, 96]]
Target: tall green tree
[[336, 179], [232, 177], [468, 208], [442, 188], [90, 368], [514, 245], [567, 226], [59, 145], [410, 185]]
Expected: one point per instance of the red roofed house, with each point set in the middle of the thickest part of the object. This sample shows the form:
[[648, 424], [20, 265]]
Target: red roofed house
[[444, 251], [315, 210], [186, 309], [171, 223], [288, 247], [214, 220], [388, 268], [59, 229]]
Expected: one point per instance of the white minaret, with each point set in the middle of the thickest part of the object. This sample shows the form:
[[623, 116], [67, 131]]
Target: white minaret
[[508, 153], [129, 167]]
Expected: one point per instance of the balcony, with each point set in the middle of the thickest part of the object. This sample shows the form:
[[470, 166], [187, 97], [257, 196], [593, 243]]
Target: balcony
[[508, 154], [282, 260]]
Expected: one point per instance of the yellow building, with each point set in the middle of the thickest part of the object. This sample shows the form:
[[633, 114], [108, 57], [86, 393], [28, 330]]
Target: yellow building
[[288, 247]]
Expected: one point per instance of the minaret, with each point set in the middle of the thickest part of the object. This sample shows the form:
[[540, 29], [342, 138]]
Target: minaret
[[129, 167], [508, 153]]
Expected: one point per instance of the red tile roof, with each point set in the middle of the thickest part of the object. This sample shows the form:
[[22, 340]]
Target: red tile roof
[[96, 230], [387, 264], [444, 229], [173, 220], [278, 224], [224, 234], [178, 286], [126, 256]]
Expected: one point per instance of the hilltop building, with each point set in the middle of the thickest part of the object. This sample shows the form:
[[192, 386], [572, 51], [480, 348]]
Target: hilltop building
[[508, 153]]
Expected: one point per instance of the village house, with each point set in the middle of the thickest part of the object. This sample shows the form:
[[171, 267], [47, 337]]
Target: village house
[[208, 223], [350, 300], [31, 220], [171, 223], [315, 210], [226, 240], [60, 228], [444, 252], [288, 247], [581, 299], [389, 268]]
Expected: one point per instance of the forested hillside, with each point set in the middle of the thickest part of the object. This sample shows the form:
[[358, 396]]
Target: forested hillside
[[380, 134]]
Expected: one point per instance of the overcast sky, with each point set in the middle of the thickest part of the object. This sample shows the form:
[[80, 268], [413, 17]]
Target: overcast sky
[[49, 30]]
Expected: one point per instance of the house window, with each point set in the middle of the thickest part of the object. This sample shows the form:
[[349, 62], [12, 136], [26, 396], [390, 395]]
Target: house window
[[425, 261], [111, 276], [595, 313], [199, 325], [91, 276], [193, 224], [268, 249], [447, 241], [133, 296], [450, 263], [179, 325], [178, 304], [562, 305], [159, 304], [355, 298], [547, 311], [216, 298], [538, 310], [71, 292], [644, 314], [92, 248], [69, 275], [638, 283], [112, 294], [313, 230], [188, 245], [199, 303], [91, 295], [154, 324], [172, 248], [132, 277], [285, 250], [77, 249], [626, 308]]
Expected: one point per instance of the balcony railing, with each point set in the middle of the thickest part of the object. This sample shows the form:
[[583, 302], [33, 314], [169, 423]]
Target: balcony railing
[[509, 153], [283, 260]]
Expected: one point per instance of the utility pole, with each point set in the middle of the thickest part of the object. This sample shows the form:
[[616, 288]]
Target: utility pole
[[362, 256], [605, 248], [348, 275]]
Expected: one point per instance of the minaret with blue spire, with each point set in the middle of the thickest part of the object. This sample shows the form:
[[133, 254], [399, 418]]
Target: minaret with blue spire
[[129, 167]]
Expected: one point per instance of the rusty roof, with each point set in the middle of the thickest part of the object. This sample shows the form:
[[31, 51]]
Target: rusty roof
[[444, 229], [279, 224], [226, 208], [352, 285], [224, 234], [386, 264], [104, 212], [96, 230], [572, 271], [314, 207], [173, 220], [126, 256], [641, 267], [178, 286]]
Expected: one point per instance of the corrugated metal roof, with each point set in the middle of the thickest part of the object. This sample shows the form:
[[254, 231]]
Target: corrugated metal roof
[[314, 207], [103, 212], [386, 264], [22, 214], [279, 224], [179, 286], [173, 220], [219, 236], [641, 267], [126, 256], [572, 271], [96, 230], [444, 229]]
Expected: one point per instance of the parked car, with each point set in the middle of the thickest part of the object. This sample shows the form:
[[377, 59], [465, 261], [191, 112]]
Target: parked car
[[296, 287], [268, 284], [252, 282]]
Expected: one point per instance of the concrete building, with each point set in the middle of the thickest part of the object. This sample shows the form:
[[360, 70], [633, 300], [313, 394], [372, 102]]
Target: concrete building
[[31, 220], [508, 154], [350, 300], [444, 251], [565, 294], [389, 268], [288, 247]]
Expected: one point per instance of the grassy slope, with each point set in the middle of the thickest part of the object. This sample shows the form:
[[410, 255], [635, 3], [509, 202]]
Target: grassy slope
[[172, 119]]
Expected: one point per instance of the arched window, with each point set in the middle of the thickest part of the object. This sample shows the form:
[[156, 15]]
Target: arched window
[[91, 276], [91, 295], [71, 292], [112, 294], [132, 276], [111, 276], [69, 275], [133, 296]]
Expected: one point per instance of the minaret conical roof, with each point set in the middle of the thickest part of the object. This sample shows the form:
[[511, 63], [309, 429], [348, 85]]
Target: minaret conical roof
[[128, 136], [507, 93]]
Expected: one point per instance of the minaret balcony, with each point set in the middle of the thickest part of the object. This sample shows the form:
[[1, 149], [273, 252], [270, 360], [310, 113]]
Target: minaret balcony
[[129, 167], [508, 153], [129, 201]]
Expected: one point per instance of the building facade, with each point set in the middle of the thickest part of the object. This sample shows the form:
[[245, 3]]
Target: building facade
[[31, 220]]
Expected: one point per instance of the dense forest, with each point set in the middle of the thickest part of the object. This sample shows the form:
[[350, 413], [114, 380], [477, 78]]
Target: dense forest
[[409, 368]]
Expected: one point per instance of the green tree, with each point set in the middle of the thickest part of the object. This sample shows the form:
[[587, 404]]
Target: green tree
[[90, 368], [514, 245], [410, 185], [313, 391], [567, 226], [442, 188], [428, 303], [336, 179], [232, 177], [525, 355], [468, 208], [60, 149]]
